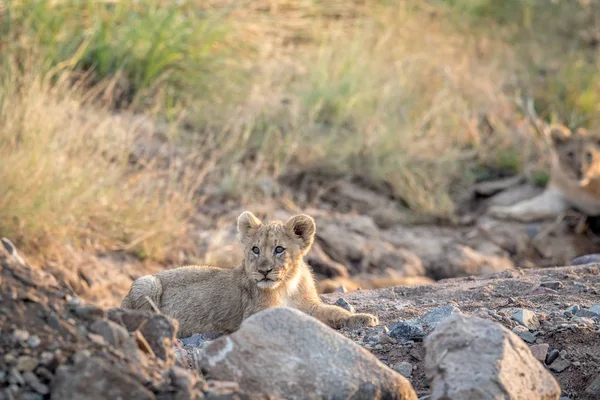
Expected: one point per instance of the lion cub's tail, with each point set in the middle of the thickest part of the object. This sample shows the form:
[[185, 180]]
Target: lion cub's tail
[[143, 287]]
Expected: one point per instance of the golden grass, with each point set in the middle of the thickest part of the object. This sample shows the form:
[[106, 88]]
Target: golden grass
[[391, 91]]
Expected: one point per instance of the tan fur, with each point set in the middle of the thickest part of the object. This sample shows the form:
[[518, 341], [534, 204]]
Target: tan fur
[[367, 283], [211, 299], [574, 180]]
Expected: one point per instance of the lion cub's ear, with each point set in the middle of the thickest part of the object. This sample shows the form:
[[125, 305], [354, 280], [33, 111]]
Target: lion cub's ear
[[559, 133], [247, 225], [303, 227]]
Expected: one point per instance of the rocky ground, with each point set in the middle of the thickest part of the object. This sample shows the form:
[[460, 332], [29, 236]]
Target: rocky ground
[[462, 303]]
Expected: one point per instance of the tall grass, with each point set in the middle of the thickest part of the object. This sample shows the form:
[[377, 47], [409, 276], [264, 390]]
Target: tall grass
[[424, 95]]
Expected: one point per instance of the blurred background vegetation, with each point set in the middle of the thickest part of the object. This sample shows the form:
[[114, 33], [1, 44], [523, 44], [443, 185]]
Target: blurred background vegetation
[[429, 96]]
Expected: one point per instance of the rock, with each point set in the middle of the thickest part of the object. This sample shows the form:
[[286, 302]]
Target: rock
[[299, 355], [90, 313], [322, 264], [113, 334], [33, 342], [357, 243], [524, 334], [404, 368], [526, 318], [33, 381], [26, 364], [460, 260], [572, 310], [595, 309], [584, 321], [540, 351], [470, 357], [552, 355], [20, 335], [95, 379], [404, 331], [559, 365], [584, 313], [552, 284], [586, 259], [344, 304], [158, 330], [341, 289], [433, 318], [594, 387]]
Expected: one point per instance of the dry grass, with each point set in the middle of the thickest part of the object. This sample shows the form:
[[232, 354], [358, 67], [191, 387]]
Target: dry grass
[[398, 92]]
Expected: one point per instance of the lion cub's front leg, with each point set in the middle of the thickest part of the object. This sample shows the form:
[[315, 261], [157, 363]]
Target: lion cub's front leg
[[337, 317], [547, 205]]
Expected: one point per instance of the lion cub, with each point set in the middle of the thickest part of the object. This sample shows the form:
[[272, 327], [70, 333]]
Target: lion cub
[[272, 274], [574, 180]]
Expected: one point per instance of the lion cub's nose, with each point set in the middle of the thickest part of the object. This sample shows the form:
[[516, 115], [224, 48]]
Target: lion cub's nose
[[265, 272]]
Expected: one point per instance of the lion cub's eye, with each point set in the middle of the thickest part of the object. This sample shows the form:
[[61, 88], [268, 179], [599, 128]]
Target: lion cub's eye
[[279, 250], [256, 250]]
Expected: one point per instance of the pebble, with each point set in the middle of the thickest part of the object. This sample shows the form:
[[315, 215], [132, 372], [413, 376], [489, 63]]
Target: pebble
[[406, 331], [432, 318], [341, 289], [15, 377], [33, 381], [33, 341], [552, 355], [26, 364], [20, 335], [344, 304], [46, 357], [559, 365], [552, 284], [90, 313], [584, 321], [540, 351], [526, 318], [404, 368], [524, 334], [595, 309], [594, 387]]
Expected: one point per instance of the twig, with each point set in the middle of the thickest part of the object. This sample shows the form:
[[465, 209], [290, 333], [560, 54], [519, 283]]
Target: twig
[[152, 304]]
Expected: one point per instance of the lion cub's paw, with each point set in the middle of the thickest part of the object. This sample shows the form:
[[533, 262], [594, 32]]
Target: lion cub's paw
[[361, 320]]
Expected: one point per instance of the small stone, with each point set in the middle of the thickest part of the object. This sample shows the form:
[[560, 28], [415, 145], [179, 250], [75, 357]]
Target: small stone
[[559, 365], [33, 341], [584, 321], [15, 377], [344, 304], [552, 284], [46, 357], [540, 351], [594, 387], [90, 313], [33, 381], [404, 368], [73, 301], [584, 313], [406, 331], [26, 364], [573, 309], [377, 347], [553, 355], [524, 334], [20, 335], [432, 318], [341, 289], [526, 318], [595, 309]]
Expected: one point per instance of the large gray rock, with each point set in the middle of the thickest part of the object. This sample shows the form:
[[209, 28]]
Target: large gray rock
[[292, 355], [472, 358]]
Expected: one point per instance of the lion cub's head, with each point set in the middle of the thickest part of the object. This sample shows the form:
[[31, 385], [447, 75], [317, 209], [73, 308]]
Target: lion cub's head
[[272, 251], [578, 153]]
